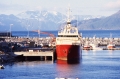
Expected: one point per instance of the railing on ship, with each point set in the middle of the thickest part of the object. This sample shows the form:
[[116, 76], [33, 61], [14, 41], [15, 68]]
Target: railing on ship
[[67, 35], [67, 38]]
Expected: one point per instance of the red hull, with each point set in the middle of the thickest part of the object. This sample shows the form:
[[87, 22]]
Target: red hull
[[86, 48], [68, 52], [111, 47]]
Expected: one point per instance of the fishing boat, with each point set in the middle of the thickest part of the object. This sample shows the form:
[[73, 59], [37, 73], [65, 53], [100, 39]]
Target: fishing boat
[[86, 46], [111, 44], [68, 42], [94, 44], [95, 47]]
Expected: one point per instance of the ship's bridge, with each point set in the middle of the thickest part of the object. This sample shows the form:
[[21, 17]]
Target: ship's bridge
[[68, 32]]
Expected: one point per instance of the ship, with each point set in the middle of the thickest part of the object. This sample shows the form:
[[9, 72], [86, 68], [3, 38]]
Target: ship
[[111, 44], [68, 43], [95, 45], [86, 46]]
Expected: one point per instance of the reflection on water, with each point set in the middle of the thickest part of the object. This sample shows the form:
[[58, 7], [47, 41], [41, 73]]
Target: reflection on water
[[104, 64], [68, 62], [33, 63], [68, 70]]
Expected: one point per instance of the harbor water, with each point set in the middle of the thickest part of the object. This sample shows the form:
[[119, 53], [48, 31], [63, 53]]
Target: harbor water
[[85, 33], [104, 64], [94, 64]]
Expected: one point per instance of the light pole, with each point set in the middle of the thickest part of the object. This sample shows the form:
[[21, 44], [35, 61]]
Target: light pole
[[28, 31], [37, 18], [10, 36], [39, 30]]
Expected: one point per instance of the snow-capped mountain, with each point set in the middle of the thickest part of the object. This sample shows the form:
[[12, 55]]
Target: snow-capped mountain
[[107, 23], [42, 20], [86, 17], [51, 20], [42, 15]]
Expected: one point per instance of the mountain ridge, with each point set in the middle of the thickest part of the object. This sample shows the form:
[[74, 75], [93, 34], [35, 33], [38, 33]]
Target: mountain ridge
[[108, 23], [51, 20]]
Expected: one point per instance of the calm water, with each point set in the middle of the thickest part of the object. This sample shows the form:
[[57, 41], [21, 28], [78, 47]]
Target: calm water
[[85, 33], [104, 64], [94, 65]]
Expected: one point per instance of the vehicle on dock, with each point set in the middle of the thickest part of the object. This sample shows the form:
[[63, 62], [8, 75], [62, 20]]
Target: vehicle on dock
[[68, 43]]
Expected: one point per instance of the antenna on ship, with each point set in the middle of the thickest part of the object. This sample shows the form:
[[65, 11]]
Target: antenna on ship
[[77, 19], [69, 21]]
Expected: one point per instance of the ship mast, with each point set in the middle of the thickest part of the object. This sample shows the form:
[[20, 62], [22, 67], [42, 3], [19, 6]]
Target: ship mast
[[69, 21]]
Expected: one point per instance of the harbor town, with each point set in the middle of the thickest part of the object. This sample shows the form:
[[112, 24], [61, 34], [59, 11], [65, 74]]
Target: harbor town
[[14, 46]]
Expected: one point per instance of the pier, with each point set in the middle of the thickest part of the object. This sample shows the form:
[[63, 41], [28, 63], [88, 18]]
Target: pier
[[101, 41], [102, 49], [38, 53], [47, 41], [42, 48]]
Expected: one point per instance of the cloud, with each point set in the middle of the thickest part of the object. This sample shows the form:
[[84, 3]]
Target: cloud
[[13, 8], [113, 5]]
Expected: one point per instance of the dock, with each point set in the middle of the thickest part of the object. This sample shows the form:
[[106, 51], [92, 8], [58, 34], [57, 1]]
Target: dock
[[102, 49], [32, 53]]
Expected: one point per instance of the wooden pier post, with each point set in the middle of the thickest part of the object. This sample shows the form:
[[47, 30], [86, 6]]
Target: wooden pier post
[[45, 58]]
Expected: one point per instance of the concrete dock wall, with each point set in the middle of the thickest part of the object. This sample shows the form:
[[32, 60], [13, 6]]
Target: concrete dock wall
[[31, 53]]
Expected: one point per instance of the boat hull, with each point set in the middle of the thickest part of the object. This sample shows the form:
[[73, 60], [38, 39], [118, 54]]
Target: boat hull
[[68, 52], [111, 47], [86, 47]]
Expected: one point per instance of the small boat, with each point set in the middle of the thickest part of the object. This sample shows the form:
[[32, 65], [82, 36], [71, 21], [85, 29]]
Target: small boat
[[94, 45], [111, 44], [86, 46], [2, 67]]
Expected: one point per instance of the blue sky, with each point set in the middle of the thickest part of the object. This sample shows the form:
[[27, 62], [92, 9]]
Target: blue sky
[[81, 7]]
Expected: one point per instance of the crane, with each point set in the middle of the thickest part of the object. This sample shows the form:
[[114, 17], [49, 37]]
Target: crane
[[50, 34]]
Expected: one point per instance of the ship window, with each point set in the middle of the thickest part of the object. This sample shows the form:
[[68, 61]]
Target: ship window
[[67, 35]]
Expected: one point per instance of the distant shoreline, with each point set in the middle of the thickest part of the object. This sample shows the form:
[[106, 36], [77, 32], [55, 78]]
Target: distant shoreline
[[58, 30]]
